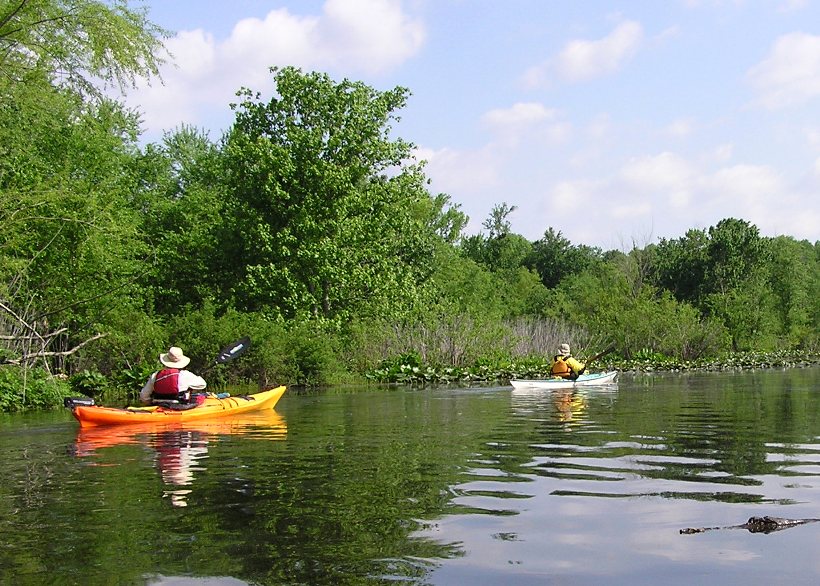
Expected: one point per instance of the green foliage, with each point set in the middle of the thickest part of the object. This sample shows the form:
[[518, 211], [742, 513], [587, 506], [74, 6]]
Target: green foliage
[[77, 42], [88, 383], [554, 258], [183, 217], [296, 354], [70, 250], [30, 389], [310, 356], [127, 383], [328, 218], [604, 302], [680, 265], [794, 277]]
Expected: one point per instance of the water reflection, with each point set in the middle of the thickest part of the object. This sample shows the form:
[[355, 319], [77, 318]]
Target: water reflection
[[434, 486], [612, 477], [178, 454], [180, 450], [562, 405]]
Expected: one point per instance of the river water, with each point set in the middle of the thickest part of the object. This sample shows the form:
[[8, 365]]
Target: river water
[[444, 486]]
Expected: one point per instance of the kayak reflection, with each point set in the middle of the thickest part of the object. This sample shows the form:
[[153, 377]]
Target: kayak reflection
[[569, 405], [180, 450]]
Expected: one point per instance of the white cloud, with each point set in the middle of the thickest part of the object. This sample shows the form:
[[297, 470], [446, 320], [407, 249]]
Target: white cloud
[[519, 114], [723, 152], [749, 191], [681, 128], [792, 5], [664, 176], [790, 74], [526, 120], [582, 59], [453, 171], [375, 35], [758, 193], [193, 49], [576, 194], [600, 127], [668, 194], [349, 36]]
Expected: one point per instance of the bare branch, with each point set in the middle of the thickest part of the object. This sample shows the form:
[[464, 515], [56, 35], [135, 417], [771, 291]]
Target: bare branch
[[43, 354]]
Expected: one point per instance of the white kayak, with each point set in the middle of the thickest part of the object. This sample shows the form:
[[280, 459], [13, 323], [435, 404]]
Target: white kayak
[[585, 380]]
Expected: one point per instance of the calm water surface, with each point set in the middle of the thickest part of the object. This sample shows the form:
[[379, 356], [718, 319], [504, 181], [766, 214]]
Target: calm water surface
[[438, 486]]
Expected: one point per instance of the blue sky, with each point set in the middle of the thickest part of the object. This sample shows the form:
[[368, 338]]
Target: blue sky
[[616, 123]]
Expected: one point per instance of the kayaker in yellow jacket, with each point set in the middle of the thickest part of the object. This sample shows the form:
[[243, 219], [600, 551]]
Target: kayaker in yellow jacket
[[565, 366]]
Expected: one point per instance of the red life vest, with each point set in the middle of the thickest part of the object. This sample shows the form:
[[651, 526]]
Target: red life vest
[[166, 385]]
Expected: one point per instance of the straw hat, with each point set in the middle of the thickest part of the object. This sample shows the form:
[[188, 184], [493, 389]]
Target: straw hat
[[174, 358]]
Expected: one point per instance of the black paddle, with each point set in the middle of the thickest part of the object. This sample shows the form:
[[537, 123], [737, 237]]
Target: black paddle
[[230, 352], [600, 354], [596, 357]]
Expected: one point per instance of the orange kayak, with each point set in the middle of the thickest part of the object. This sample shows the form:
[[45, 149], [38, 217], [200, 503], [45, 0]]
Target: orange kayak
[[90, 415]]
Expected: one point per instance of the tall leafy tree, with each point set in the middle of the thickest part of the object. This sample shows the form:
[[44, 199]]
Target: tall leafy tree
[[722, 271], [70, 250], [330, 217], [794, 277], [182, 219], [680, 265], [735, 284], [554, 258], [499, 250]]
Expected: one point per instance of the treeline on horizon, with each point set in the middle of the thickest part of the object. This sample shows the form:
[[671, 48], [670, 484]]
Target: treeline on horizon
[[308, 227]]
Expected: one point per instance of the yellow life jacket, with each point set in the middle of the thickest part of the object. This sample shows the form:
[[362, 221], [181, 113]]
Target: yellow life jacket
[[560, 368]]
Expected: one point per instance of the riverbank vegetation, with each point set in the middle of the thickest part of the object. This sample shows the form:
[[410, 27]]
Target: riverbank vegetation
[[309, 227]]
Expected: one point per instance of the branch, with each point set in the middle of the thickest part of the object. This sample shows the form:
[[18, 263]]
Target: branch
[[44, 354], [11, 14], [47, 336], [23, 322]]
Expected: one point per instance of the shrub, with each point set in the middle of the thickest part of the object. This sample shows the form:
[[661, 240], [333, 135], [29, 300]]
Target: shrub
[[22, 389], [88, 383]]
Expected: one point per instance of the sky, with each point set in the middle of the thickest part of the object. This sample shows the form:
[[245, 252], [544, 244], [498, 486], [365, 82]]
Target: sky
[[616, 123]]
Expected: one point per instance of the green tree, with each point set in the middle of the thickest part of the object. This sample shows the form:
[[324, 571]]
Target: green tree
[[734, 253], [182, 218], [330, 217], [499, 250], [554, 258], [70, 248], [794, 276], [735, 284], [77, 44], [680, 265], [497, 225]]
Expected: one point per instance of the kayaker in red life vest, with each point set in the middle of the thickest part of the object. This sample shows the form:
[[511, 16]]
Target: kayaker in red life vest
[[565, 366], [172, 383]]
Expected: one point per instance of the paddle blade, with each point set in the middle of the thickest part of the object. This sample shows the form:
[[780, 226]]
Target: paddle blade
[[71, 402], [232, 351]]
